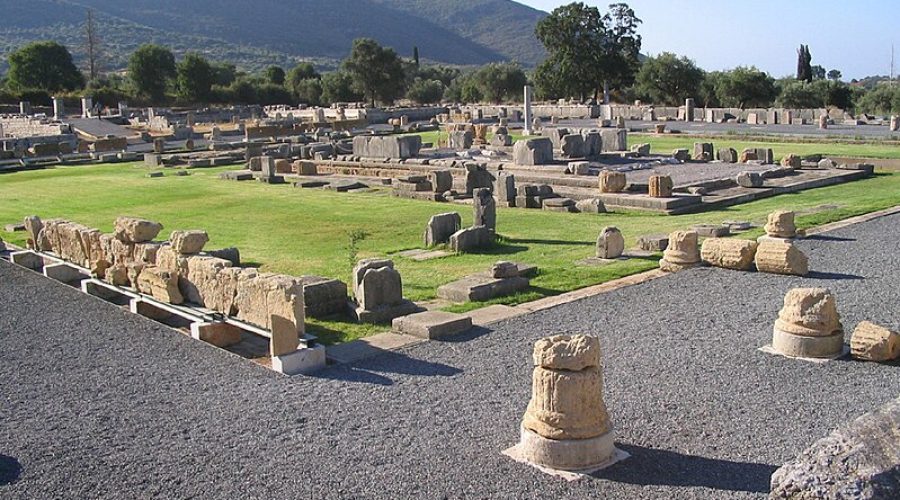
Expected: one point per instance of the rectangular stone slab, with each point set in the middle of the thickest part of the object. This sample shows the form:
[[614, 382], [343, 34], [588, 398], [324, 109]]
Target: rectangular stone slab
[[480, 288], [432, 324]]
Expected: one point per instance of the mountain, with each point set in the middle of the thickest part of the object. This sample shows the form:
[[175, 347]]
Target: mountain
[[257, 33]]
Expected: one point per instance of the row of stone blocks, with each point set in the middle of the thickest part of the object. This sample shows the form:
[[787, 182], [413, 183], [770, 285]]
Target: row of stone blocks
[[177, 272]]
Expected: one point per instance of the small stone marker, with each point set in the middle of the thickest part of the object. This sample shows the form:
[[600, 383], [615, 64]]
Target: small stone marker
[[871, 342], [610, 243], [809, 325], [682, 252]]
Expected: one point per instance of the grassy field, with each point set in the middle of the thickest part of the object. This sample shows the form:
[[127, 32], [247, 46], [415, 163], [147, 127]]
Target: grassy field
[[294, 231]]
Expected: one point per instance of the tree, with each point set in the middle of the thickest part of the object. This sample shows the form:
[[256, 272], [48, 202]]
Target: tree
[[745, 87], [43, 66], [587, 50], [224, 74], [275, 75], [300, 72], [376, 71], [337, 86], [309, 91], [425, 91], [804, 67], [416, 55], [500, 81], [149, 68], [195, 78], [834, 75], [817, 72], [463, 88], [800, 94], [92, 46], [668, 79]]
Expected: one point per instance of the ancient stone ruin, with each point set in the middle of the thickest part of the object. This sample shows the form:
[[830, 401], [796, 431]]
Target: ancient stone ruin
[[871, 342], [729, 253], [378, 290], [781, 225], [612, 181], [441, 227], [780, 257], [809, 325], [681, 253], [660, 186], [566, 426], [610, 243]]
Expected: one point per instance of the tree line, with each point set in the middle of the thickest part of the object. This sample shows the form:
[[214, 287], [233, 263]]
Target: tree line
[[592, 55]]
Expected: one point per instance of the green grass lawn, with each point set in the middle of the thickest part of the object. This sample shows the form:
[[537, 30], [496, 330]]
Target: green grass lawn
[[297, 231], [666, 143]]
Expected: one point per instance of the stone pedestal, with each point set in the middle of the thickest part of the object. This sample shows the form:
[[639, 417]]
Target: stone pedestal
[[566, 426], [302, 361], [660, 186], [809, 325], [781, 224], [681, 253], [612, 182]]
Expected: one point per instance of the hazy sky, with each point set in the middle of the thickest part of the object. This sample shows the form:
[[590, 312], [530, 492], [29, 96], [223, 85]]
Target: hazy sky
[[853, 36]]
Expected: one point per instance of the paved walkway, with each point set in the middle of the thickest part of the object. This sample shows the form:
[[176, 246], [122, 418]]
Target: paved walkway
[[95, 402]]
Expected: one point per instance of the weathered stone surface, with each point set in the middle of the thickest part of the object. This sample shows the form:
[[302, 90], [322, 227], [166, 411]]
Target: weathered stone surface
[[855, 461], [567, 404], [364, 265], [440, 227], [729, 253], [809, 324], [711, 230], [567, 352], [681, 253], [230, 254], [391, 146], [160, 284], [748, 154], [481, 287], [461, 139], [218, 334], [612, 182], [661, 186], [703, 151], [537, 151], [578, 168], [593, 143], [188, 242], [471, 238], [505, 189], [484, 208], [380, 287], [33, 226], [271, 301], [871, 342], [590, 206], [781, 257], [749, 179], [641, 149], [681, 155], [323, 296], [614, 140], [610, 243], [572, 146], [432, 324], [504, 269], [727, 155], [206, 284], [653, 242], [781, 224], [792, 161], [441, 180], [135, 230]]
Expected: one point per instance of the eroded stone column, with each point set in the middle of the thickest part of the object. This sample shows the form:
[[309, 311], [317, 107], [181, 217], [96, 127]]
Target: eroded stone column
[[682, 252], [809, 325], [566, 425]]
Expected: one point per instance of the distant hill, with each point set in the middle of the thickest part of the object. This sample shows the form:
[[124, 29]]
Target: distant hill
[[257, 33]]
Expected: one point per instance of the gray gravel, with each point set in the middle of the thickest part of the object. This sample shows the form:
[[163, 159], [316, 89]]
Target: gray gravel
[[97, 403]]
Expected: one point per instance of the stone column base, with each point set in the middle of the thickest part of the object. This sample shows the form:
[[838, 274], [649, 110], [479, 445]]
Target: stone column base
[[808, 347], [302, 361], [567, 454], [671, 267]]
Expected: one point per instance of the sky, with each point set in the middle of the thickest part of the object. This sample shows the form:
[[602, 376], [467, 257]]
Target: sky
[[853, 36]]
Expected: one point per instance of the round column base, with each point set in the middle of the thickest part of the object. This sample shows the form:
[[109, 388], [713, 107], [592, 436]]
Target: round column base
[[567, 454], [808, 347]]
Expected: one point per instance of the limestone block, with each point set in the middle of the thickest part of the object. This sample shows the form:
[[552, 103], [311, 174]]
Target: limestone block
[[218, 334], [285, 337], [505, 189], [471, 238], [781, 224], [780, 257], [871, 342], [857, 460], [432, 324], [653, 242], [536, 151], [134, 230], [808, 325], [567, 352], [610, 243], [572, 146], [263, 299], [681, 155], [116, 274], [146, 252], [792, 161], [593, 143], [590, 206], [33, 226], [230, 254], [505, 269], [364, 265], [749, 179], [660, 186], [641, 149], [209, 284], [727, 155], [681, 253], [613, 140], [703, 151], [612, 182], [729, 253], [170, 260], [160, 284], [323, 296], [441, 180], [380, 287], [440, 227], [283, 166], [748, 154], [188, 242]]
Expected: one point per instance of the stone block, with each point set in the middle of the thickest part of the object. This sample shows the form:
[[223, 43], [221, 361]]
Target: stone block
[[440, 227], [727, 155], [612, 182], [572, 146], [160, 284], [537, 151], [593, 143], [729, 253], [590, 206], [641, 149], [703, 151], [614, 140], [379, 287], [749, 180], [505, 189], [270, 301], [579, 168], [231, 254], [660, 186], [567, 352], [871, 342], [432, 324], [792, 160], [681, 253], [323, 296], [135, 230], [780, 224], [653, 242], [364, 265], [484, 208], [610, 243], [441, 180], [711, 230], [779, 257], [188, 242], [217, 333], [302, 361], [808, 325], [681, 155], [472, 238], [481, 287]]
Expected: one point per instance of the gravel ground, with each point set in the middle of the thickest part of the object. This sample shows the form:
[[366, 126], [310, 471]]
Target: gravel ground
[[97, 403]]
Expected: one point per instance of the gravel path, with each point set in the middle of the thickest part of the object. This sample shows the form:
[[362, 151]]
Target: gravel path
[[96, 403]]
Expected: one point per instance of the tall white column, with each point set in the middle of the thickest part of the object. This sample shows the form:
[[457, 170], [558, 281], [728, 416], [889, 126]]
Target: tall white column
[[59, 109]]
